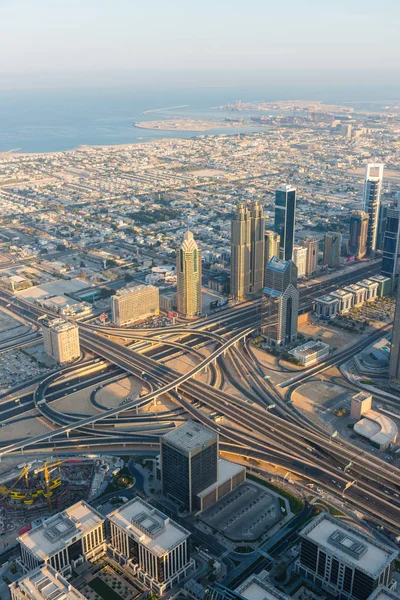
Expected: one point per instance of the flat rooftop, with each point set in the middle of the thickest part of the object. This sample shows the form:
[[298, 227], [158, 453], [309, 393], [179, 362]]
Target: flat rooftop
[[135, 289], [190, 437], [226, 470], [254, 588], [383, 593], [310, 348], [45, 583], [377, 427], [341, 293], [327, 299], [60, 325], [57, 532], [349, 545], [149, 526]]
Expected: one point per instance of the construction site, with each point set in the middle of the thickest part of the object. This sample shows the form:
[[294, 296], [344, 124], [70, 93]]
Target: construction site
[[35, 489]]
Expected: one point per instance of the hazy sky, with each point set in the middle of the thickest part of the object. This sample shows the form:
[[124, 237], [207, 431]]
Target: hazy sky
[[78, 37]]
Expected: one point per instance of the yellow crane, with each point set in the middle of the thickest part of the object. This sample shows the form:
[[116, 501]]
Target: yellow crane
[[5, 491]]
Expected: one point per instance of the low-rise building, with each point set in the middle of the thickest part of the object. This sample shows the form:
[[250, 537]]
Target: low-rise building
[[379, 429], [327, 307], [345, 298], [359, 294], [371, 289], [360, 403], [230, 475], [61, 340], [168, 301], [44, 583], [310, 353], [384, 284], [134, 304], [150, 544], [66, 540], [344, 562]]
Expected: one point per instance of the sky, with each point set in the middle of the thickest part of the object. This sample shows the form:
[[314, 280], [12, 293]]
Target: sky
[[102, 40]]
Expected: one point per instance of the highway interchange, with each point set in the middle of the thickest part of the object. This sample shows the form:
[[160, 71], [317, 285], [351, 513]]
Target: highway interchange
[[259, 421]]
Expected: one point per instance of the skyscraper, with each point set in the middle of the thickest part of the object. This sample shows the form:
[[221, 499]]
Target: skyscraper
[[394, 364], [280, 302], [300, 260], [333, 243], [135, 303], [240, 252], [312, 245], [371, 202], [188, 271], [257, 248], [285, 213], [382, 219], [391, 244], [358, 233], [247, 251], [271, 246]]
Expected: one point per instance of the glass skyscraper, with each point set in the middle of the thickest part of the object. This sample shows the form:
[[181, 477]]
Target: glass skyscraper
[[371, 202], [285, 214]]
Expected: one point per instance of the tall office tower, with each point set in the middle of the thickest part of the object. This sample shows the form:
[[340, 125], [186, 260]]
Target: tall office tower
[[371, 201], [188, 271], [300, 260], [271, 246], [280, 302], [358, 233], [241, 253], [285, 214], [189, 462], [332, 247], [382, 220], [61, 340], [391, 244], [312, 245], [345, 562], [257, 250], [134, 303], [394, 364]]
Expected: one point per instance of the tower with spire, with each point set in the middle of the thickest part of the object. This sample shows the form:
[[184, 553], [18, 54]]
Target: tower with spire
[[188, 269]]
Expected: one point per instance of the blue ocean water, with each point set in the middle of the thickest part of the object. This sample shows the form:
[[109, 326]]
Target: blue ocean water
[[61, 119]]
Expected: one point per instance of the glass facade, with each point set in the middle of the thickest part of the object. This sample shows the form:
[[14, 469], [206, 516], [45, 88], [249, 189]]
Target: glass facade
[[285, 211]]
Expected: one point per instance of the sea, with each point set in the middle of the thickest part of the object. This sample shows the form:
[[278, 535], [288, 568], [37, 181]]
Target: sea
[[51, 120]]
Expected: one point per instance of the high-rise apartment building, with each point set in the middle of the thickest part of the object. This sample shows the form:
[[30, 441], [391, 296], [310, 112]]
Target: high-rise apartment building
[[344, 562], [382, 221], [371, 202], [150, 545], [134, 304], [189, 462], [285, 214], [312, 245], [300, 260], [188, 271], [257, 250], [280, 302], [61, 340], [394, 364], [391, 244], [247, 251], [271, 246], [332, 247], [358, 233]]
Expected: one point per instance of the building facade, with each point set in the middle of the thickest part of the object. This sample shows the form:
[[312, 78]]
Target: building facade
[[240, 252], [188, 271], [300, 260], [285, 215], [332, 247], [65, 541], [343, 561], [61, 340], [310, 353], [312, 245], [391, 244], [44, 583], [358, 234], [150, 544], [189, 462], [134, 304], [280, 303], [257, 249], [271, 246], [326, 307], [371, 202], [394, 364]]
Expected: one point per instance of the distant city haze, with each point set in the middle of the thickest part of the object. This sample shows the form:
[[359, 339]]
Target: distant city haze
[[103, 42]]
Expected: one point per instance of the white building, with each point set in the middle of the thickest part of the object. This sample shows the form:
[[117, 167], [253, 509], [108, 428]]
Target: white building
[[359, 294], [345, 298], [44, 583], [255, 588], [300, 260], [134, 303], [371, 289], [360, 403], [310, 353], [343, 561], [154, 547], [65, 541], [326, 307], [61, 340], [378, 429]]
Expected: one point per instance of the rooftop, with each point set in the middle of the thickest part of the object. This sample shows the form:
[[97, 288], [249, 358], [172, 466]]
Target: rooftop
[[60, 325], [190, 437], [149, 526], [349, 545], [310, 348], [57, 531], [277, 264], [383, 593], [254, 588], [341, 293], [226, 470], [47, 584], [134, 289], [327, 299], [377, 428]]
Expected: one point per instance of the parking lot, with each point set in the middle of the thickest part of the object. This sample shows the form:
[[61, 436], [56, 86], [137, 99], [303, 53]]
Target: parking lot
[[244, 514]]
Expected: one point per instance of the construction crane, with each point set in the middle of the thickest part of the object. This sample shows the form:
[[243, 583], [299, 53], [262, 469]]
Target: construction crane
[[5, 491], [50, 485]]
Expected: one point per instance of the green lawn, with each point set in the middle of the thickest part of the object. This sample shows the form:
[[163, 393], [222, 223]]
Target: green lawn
[[104, 590]]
